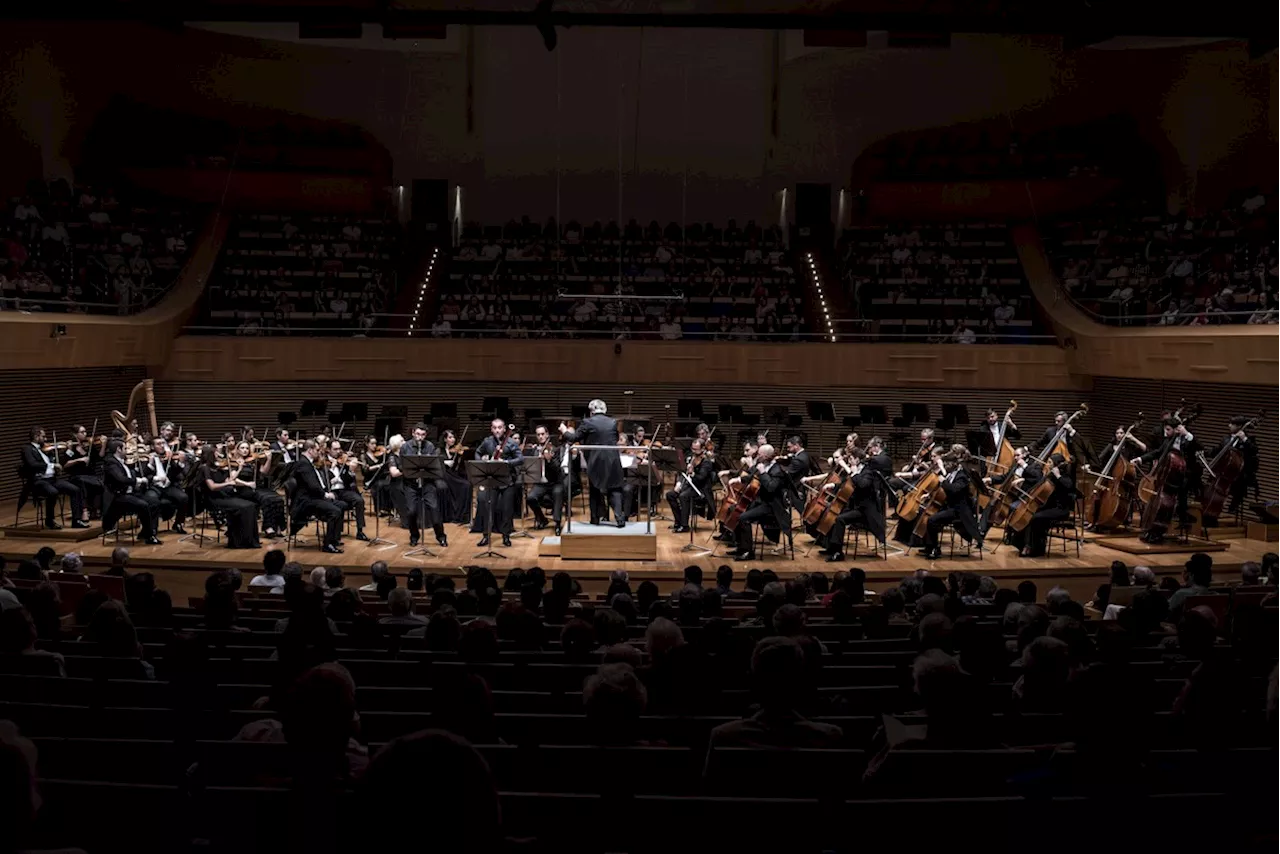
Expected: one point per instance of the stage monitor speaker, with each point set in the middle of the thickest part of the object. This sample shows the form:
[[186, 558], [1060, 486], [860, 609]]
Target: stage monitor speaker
[[431, 201]]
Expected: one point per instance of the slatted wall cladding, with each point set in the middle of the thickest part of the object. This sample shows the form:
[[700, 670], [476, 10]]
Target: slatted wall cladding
[[55, 399], [1122, 399], [214, 407]]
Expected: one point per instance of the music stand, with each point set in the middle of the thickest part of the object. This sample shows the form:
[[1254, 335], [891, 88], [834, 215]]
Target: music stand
[[529, 470], [421, 467], [492, 475], [670, 460]]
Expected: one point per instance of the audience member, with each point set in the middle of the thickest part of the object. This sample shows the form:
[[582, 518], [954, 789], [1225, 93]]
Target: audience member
[[1198, 576], [272, 572]]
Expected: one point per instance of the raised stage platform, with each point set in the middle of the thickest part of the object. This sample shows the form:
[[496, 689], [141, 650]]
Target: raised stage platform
[[664, 559]]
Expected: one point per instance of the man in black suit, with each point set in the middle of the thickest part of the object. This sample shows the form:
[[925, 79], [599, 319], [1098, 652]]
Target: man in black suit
[[342, 483], [604, 468], [770, 505], [312, 499], [960, 510], [43, 474], [122, 493], [796, 467], [989, 436], [552, 485], [865, 507], [499, 446], [165, 497], [701, 471], [1175, 439], [421, 494]]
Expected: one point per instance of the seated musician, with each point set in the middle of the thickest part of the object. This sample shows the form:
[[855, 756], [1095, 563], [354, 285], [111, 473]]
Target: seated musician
[[1031, 540], [701, 471], [122, 493], [630, 485], [263, 494], [769, 507], [960, 510], [44, 476], [82, 465], [865, 507], [729, 478], [551, 487], [795, 469], [920, 463], [313, 499], [161, 492], [220, 484], [1176, 439], [342, 483]]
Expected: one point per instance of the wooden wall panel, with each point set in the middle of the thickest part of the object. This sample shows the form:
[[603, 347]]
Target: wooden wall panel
[[56, 399], [213, 407], [1121, 400], [640, 362]]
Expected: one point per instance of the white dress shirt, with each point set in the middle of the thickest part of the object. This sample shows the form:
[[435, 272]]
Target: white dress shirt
[[48, 463]]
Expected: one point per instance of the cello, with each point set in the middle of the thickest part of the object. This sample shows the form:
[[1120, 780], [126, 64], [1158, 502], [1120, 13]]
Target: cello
[[1166, 479], [1223, 471], [840, 497], [737, 501], [1114, 488], [1032, 501]]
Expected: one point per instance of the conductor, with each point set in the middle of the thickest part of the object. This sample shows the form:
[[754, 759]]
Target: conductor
[[604, 468]]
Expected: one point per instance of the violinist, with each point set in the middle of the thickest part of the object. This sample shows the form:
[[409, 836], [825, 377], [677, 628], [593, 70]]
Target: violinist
[[220, 487], [314, 499], [78, 461], [865, 507], [455, 501], [498, 446], [989, 437], [252, 475], [421, 497], [700, 471], [551, 487], [284, 455], [342, 483], [170, 435], [960, 510], [1031, 540], [1177, 439], [769, 507], [43, 473], [165, 496], [122, 488]]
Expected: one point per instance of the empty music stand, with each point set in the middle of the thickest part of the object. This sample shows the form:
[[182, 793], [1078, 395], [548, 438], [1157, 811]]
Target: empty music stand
[[422, 468], [492, 475], [529, 470]]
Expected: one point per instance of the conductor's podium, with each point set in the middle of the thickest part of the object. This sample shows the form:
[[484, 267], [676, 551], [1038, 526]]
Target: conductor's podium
[[583, 541]]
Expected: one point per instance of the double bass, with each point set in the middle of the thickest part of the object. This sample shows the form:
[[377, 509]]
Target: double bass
[[1222, 473], [1020, 516], [1114, 488], [996, 508], [1160, 488]]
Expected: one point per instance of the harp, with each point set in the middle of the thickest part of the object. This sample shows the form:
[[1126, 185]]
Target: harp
[[142, 392]]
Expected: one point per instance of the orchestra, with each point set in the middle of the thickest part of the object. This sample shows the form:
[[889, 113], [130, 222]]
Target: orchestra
[[258, 489]]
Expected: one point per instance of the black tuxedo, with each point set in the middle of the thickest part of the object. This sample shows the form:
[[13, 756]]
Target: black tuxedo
[[796, 468], [345, 494], [959, 510], [987, 441], [309, 500], [551, 489], [682, 500], [421, 496], [123, 494], [865, 507], [504, 508], [33, 468], [604, 468], [769, 509], [169, 500], [1035, 536]]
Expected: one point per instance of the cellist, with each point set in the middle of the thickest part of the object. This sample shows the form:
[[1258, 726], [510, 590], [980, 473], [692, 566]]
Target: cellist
[[1032, 539], [865, 507], [920, 463], [960, 510], [768, 509], [1177, 439]]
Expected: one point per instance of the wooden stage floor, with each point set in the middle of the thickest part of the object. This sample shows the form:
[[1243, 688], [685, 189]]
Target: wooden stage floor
[[1004, 564]]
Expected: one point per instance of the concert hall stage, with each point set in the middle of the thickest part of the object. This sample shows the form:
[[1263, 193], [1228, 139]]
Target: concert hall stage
[[1087, 570]]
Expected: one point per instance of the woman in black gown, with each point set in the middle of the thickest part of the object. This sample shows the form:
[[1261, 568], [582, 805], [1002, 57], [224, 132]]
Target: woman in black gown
[[270, 502], [373, 462], [456, 500], [241, 514]]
